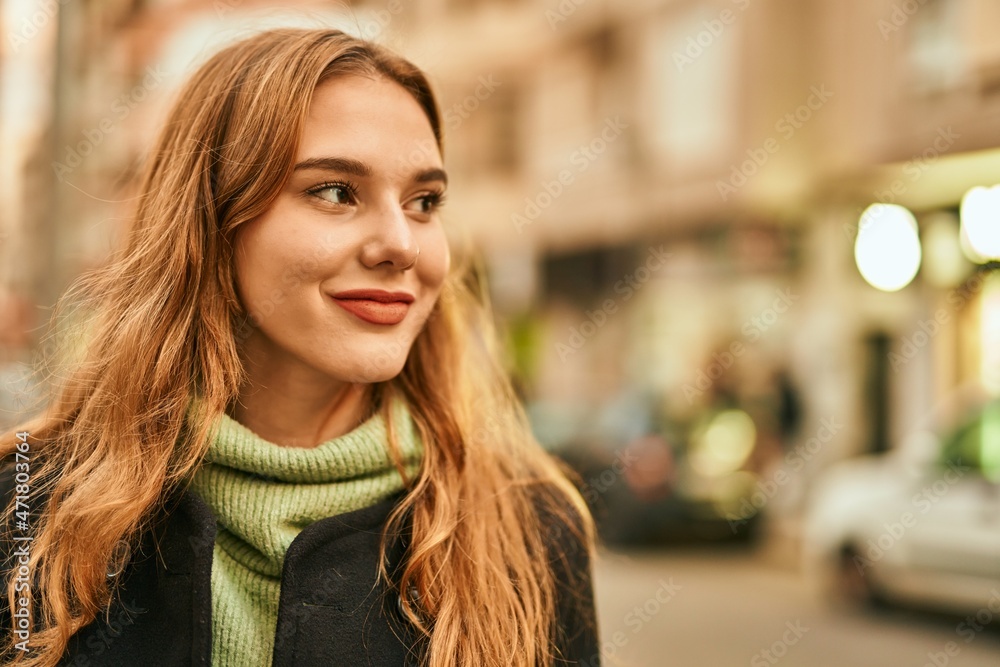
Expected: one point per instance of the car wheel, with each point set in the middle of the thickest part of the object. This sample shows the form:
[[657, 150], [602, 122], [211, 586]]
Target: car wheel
[[854, 583]]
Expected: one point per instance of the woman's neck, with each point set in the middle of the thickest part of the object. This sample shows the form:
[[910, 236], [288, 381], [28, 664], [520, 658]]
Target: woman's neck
[[294, 415]]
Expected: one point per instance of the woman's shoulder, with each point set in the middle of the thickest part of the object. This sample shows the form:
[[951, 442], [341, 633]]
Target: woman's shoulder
[[13, 473], [20, 492], [567, 533], [566, 529], [8, 488], [565, 520], [8, 481]]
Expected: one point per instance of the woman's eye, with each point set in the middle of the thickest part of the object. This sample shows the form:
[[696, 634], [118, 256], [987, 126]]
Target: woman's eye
[[428, 203], [335, 194]]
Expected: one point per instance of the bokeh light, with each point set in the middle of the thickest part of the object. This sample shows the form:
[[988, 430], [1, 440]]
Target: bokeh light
[[887, 250], [724, 444], [981, 220]]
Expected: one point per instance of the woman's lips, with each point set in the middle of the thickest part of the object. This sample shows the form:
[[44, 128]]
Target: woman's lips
[[375, 312]]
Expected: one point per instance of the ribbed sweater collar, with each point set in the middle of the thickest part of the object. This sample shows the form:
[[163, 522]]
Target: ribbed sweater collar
[[263, 495], [359, 453]]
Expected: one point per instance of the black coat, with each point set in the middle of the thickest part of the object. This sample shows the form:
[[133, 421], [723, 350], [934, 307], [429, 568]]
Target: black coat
[[333, 609]]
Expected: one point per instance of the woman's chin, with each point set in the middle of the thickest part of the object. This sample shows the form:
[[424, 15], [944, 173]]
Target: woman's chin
[[378, 370]]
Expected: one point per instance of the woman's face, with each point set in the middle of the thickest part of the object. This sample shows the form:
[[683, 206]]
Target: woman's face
[[359, 212]]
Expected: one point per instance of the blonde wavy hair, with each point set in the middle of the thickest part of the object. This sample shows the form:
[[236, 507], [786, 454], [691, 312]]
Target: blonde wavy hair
[[164, 324]]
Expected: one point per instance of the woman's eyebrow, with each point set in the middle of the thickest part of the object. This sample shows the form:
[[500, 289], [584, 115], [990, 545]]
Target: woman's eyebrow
[[429, 175], [361, 170], [341, 164]]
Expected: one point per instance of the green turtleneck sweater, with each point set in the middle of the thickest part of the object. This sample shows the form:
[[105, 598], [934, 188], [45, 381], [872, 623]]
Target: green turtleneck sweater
[[263, 495]]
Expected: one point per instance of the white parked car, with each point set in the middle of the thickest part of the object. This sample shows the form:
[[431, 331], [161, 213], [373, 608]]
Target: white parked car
[[919, 525]]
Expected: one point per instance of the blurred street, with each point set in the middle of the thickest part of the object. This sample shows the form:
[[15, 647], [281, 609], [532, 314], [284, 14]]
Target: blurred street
[[732, 607], [746, 277]]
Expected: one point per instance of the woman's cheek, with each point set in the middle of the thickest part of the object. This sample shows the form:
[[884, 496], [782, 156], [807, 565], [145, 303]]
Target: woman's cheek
[[438, 261]]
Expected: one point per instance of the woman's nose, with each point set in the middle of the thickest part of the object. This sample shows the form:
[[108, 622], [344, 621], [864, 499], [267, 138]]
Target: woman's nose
[[391, 241]]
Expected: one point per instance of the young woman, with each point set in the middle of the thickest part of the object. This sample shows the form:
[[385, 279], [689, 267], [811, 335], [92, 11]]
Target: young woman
[[287, 437]]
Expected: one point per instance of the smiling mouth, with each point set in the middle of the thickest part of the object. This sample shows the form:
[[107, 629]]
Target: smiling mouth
[[375, 312]]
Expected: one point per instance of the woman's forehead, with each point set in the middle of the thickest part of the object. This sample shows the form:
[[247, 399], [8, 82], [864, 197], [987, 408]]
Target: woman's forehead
[[370, 119]]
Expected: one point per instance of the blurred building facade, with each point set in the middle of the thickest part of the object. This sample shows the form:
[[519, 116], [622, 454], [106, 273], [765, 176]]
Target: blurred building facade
[[667, 192]]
